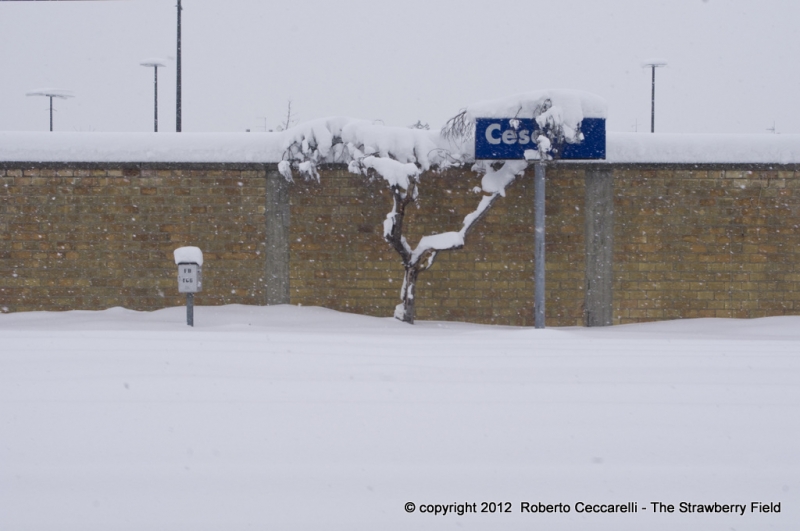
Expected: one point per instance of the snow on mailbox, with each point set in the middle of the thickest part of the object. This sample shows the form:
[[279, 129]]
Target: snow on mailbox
[[190, 276]]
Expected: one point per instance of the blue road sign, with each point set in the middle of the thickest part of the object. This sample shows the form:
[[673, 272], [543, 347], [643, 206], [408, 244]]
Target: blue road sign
[[496, 138]]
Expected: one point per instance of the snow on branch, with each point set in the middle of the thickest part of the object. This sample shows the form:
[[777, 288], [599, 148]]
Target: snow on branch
[[395, 173], [495, 183], [346, 140]]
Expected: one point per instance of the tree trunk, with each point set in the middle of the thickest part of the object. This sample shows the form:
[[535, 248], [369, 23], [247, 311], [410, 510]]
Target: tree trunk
[[409, 294]]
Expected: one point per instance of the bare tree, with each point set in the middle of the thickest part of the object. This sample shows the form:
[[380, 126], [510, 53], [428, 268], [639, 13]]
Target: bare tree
[[289, 120]]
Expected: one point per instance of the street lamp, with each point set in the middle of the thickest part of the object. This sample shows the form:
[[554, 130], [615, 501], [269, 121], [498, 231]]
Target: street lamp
[[653, 64], [155, 63], [51, 93]]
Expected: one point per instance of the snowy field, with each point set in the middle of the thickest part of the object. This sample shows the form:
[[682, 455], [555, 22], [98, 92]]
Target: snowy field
[[287, 418]]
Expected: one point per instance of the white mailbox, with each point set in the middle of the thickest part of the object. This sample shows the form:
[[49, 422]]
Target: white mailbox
[[190, 277]]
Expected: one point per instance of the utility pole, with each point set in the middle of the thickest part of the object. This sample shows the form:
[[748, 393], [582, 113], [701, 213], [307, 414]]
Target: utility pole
[[653, 64], [178, 89]]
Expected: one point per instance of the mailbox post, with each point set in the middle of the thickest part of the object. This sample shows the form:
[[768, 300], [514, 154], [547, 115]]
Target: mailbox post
[[190, 276]]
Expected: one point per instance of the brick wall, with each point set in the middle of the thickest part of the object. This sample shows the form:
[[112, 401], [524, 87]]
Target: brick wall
[[706, 242], [93, 237], [689, 241]]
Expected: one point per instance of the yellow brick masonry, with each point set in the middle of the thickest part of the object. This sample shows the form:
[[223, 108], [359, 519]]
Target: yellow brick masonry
[[94, 238], [697, 242], [706, 243], [340, 260], [701, 243]]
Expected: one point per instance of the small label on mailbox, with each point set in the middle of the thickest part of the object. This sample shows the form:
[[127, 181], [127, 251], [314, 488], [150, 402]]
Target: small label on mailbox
[[188, 278]]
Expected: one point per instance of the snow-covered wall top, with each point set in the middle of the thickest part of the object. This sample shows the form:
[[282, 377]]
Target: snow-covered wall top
[[702, 149], [139, 147], [269, 147], [402, 150]]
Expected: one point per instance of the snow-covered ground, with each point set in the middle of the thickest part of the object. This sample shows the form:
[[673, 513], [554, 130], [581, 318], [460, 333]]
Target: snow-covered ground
[[291, 418]]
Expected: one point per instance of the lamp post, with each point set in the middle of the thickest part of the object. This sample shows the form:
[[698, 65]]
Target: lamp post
[[653, 64], [51, 93], [155, 63]]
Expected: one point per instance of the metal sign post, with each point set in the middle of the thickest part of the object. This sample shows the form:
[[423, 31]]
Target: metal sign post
[[190, 281], [190, 309], [510, 138]]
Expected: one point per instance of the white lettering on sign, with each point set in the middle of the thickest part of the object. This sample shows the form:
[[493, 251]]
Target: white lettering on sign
[[188, 278], [489, 131], [509, 136]]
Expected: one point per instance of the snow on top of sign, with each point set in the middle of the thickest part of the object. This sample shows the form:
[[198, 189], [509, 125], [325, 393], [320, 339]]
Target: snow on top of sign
[[188, 255], [574, 105]]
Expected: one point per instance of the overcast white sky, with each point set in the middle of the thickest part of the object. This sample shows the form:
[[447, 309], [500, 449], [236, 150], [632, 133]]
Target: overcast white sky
[[733, 65]]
